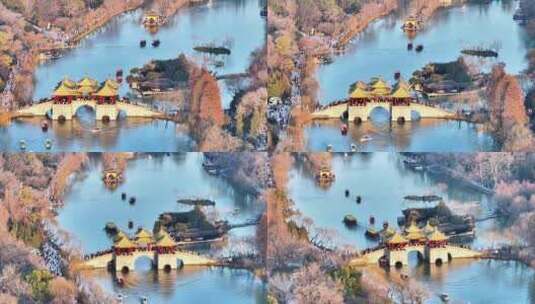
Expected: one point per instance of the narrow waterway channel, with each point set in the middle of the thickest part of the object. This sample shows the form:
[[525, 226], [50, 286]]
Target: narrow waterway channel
[[157, 181], [381, 50], [382, 181]]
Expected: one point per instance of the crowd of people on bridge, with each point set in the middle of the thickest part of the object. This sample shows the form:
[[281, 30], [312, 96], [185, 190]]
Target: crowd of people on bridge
[[97, 254]]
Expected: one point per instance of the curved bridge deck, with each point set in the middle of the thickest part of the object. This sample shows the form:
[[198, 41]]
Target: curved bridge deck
[[432, 255], [103, 111], [343, 108], [159, 260]]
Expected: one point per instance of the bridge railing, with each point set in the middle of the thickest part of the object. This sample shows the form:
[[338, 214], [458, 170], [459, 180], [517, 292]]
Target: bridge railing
[[97, 254]]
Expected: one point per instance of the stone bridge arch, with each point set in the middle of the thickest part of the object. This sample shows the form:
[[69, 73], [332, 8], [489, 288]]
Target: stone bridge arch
[[77, 104], [377, 105], [126, 263]]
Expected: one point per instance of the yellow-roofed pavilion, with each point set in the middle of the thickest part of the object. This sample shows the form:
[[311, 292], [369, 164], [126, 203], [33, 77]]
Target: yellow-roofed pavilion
[[87, 86], [66, 88], [124, 243], [165, 243], [413, 233], [359, 93], [143, 237], [437, 239], [396, 242], [108, 92], [379, 87]]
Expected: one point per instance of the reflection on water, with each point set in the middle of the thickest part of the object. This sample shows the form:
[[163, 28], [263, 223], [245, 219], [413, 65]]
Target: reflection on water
[[426, 135], [132, 134], [188, 285], [382, 181], [476, 281], [157, 181]]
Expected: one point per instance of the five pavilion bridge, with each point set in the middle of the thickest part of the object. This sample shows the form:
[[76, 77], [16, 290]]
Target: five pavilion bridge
[[160, 248], [430, 244], [364, 98], [104, 99]]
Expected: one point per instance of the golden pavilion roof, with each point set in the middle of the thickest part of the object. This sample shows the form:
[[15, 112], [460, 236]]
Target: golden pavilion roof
[[86, 81], [428, 229], [109, 89], [397, 238], [359, 92], [165, 241], [66, 88], [143, 237], [124, 242], [413, 232], [379, 87], [401, 92], [87, 85], [69, 83], [112, 83], [437, 236]]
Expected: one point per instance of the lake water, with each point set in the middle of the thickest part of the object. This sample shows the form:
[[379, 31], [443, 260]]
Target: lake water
[[157, 181], [381, 50], [382, 180]]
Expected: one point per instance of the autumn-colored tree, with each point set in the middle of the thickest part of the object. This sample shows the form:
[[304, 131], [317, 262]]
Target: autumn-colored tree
[[507, 112], [70, 164], [205, 98]]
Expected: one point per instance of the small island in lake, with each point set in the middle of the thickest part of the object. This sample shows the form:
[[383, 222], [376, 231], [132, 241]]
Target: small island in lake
[[191, 226], [445, 78], [196, 202], [216, 50], [480, 52]]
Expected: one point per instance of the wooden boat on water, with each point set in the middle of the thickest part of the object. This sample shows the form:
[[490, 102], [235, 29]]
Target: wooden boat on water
[[44, 125], [343, 129]]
